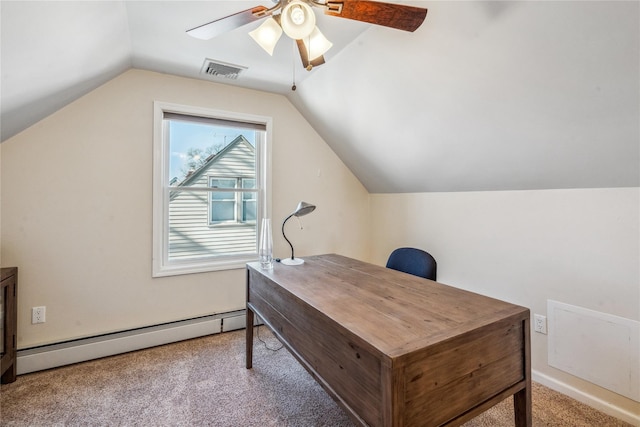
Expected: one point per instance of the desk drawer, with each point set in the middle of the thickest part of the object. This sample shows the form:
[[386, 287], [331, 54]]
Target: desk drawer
[[328, 351], [446, 380]]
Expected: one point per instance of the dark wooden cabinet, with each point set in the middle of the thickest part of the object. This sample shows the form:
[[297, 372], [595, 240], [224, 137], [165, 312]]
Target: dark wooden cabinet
[[8, 323]]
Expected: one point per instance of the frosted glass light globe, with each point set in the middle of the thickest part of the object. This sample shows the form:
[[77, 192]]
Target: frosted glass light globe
[[297, 20]]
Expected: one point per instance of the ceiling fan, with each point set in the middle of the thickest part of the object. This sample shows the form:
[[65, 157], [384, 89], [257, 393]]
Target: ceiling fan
[[297, 19]]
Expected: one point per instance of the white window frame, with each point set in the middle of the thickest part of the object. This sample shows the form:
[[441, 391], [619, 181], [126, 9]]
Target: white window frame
[[161, 266]]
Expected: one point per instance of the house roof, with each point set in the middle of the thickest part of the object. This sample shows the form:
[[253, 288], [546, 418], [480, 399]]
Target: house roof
[[212, 159]]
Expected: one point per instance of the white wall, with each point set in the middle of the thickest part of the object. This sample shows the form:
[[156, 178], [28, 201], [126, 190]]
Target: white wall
[[77, 219], [580, 247]]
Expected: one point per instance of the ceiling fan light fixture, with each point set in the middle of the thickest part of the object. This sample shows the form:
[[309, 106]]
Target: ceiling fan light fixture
[[297, 20], [316, 44], [267, 35]]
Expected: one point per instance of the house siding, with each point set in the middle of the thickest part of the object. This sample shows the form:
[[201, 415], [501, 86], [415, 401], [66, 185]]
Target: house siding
[[190, 234]]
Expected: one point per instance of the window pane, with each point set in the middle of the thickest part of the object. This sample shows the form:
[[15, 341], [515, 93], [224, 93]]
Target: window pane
[[191, 236], [249, 199], [193, 146], [249, 210], [223, 183], [223, 211], [223, 195], [248, 183]]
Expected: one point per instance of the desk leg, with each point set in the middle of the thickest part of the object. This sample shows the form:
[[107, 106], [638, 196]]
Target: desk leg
[[10, 374], [249, 338], [522, 407], [522, 399]]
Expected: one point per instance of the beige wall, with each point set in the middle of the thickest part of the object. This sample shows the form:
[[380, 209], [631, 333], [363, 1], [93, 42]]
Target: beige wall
[[580, 247], [76, 218], [76, 208]]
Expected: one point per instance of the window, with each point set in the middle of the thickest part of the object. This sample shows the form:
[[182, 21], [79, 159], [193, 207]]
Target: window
[[210, 188], [229, 206]]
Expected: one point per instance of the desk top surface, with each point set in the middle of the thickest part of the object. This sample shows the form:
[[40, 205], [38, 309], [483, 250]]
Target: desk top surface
[[393, 311]]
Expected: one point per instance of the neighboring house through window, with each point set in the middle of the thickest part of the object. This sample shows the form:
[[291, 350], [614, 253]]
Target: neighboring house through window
[[210, 188]]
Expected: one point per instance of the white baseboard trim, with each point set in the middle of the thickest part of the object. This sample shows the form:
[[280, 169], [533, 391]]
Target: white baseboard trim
[[587, 399], [82, 350]]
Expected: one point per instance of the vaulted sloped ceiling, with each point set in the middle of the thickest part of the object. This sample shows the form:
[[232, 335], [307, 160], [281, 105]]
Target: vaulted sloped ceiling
[[54, 52], [486, 95]]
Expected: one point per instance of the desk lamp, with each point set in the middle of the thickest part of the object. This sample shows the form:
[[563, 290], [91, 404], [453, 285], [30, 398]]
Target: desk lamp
[[302, 209]]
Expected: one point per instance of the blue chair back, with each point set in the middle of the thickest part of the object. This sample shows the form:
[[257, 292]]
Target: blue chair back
[[413, 261]]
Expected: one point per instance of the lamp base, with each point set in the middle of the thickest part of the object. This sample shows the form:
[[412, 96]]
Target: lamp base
[[292, 261]]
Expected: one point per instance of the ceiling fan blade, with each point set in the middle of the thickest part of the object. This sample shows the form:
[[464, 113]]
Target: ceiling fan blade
[[228, 23], [407, 18], [304, 56]]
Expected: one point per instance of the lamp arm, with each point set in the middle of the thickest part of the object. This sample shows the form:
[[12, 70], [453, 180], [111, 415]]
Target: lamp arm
[[285, 236]]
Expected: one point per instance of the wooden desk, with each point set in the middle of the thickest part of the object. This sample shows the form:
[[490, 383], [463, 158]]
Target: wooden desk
[[394, 349]]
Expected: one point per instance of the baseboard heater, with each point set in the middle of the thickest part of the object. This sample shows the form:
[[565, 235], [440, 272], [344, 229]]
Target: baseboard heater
[[84, 349]]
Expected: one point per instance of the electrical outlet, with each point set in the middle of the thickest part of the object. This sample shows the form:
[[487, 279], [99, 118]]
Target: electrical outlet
[[38, 315], [540, 323]]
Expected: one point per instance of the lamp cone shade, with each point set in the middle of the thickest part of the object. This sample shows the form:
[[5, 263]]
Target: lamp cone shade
[[267, 35], [304, 208]]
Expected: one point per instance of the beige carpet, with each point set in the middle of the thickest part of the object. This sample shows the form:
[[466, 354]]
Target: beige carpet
[[203, 382]]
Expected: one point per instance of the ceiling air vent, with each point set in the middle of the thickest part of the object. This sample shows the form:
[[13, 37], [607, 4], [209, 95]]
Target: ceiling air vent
[[221, 69]]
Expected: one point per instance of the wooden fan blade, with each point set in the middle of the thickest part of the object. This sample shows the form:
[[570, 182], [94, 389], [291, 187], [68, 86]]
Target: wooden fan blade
[[407, 18], [304, 56], [228, 23]]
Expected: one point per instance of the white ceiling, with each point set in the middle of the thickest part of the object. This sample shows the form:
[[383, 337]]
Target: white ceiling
[[484, 96]]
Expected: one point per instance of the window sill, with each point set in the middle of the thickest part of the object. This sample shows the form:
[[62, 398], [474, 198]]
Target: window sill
[[177, 269], [233, 225]]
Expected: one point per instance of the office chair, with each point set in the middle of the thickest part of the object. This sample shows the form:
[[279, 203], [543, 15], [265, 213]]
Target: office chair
[[413, 261]]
